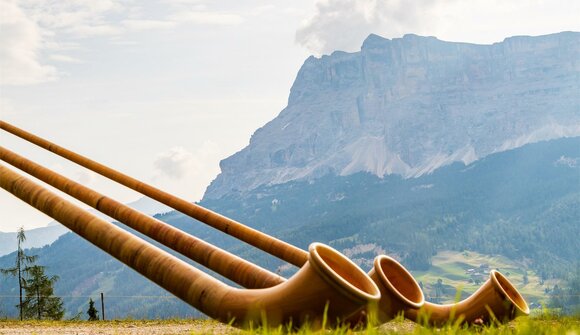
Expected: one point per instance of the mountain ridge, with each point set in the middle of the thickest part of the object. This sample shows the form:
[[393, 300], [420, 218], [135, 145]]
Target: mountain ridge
[[410, 105]]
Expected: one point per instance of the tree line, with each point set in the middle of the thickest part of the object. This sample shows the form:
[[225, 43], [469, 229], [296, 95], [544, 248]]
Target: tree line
[[36, 289]]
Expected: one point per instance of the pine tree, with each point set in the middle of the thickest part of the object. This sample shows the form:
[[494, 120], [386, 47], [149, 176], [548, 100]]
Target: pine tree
[[92, 311], [40, 302], [19, 269]]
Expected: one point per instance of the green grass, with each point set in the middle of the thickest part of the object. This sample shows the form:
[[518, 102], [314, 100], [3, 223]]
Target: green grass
[[542, 325]]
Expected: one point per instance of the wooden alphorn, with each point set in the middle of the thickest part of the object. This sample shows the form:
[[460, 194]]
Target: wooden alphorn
[[328, 287], [406, 294]]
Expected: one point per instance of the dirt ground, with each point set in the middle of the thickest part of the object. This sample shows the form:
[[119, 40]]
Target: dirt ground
[[141, 327], [129, 327]]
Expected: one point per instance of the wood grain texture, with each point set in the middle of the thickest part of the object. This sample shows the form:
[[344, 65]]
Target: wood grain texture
[[269, 244], [228, 265]]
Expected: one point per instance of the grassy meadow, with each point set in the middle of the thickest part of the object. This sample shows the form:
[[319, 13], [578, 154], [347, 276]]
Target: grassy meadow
[[541, 325]]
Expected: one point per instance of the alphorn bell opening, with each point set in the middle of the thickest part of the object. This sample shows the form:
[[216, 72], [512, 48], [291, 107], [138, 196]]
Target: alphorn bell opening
[[328, 282], [497, 300], [400, 292]]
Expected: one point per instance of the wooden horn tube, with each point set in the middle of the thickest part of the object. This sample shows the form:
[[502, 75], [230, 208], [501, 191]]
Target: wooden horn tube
[[226, 264], [269, 244], [497, 300], [328, 281], [400, 292]]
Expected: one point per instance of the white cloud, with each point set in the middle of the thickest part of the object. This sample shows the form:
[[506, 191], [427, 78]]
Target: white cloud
[[187, 173], [489, 21], [21, 41], [64, 59], [69, 15], [186, 2], [141, 25], [87, 30], [175, 163], [208, 18], [179, 163], [30, 27], [344, 24], [7, 107], [86, 177]]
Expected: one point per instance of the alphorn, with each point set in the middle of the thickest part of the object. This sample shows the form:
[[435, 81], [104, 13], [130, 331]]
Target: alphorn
[[501, 301], [396, 295], [226, 264], [328, 287], [386, 274], [269, 244]]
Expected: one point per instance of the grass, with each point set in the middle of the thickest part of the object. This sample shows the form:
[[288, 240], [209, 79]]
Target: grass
[[542, 325]]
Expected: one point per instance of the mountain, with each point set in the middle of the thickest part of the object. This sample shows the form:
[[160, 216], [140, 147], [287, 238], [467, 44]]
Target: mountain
[[410, 105], [35, 238], [39, 237], [522, 204]]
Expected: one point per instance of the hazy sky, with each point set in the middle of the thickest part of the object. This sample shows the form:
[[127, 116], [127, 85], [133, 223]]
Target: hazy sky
[[162, 90]]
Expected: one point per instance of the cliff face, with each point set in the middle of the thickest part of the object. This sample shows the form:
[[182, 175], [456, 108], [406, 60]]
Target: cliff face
[[411, 105]]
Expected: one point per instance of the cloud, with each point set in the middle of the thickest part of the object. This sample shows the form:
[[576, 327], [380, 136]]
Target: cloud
[[80, 17], [186, 173], [21, 42], [86, 177], [207, 18], [179, 163], [175, 163], [141, 25], [31, 27], [7, 106], [344, 24], [64, 59], [87, 30]]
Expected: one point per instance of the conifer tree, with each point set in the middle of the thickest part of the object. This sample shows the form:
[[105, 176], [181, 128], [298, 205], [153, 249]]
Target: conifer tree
[[22, 264], [40, 302], [92, 311]]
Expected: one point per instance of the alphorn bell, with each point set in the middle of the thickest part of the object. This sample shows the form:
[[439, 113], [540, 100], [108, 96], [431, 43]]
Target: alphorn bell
[[407, 297], [328, 282], [400, 292], [497, 300]]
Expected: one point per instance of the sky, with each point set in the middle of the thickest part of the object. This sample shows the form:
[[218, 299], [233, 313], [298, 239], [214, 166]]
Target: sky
[[163, 90]]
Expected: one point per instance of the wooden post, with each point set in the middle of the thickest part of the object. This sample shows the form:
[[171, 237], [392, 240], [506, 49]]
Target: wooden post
[[102, 306]]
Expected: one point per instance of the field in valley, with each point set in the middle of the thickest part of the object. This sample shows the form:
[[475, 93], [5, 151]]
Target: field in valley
[[455, 269]]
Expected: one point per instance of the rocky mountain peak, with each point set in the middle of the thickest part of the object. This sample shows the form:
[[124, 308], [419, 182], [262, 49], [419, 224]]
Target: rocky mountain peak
[[411, 105]]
